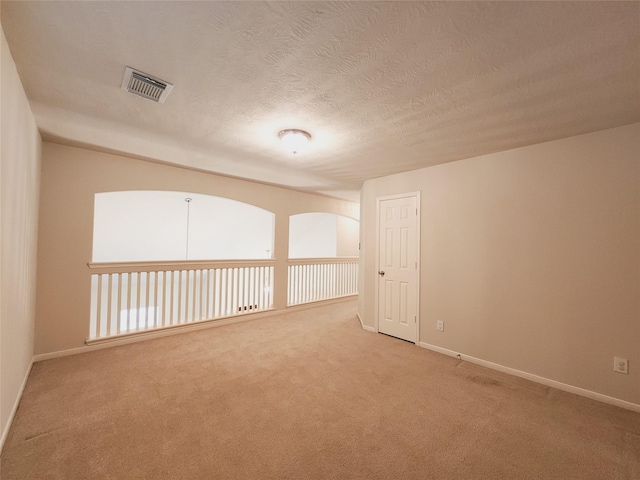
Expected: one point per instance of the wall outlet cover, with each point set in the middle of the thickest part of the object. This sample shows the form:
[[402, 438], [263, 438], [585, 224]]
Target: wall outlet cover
[[620, 365], [440, 326]]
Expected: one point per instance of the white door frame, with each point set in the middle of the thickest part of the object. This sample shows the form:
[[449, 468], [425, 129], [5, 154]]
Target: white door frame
[[418, 247]]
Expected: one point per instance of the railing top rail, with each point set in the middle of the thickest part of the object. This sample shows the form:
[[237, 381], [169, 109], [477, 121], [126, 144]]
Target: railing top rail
[[319, 261], [173, 265]]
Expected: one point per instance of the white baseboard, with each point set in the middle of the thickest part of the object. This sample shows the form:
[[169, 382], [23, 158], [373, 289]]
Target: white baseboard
[[5, 432], [316, 303], [365, 327], [142, 336], [135, 337], [535, 378]]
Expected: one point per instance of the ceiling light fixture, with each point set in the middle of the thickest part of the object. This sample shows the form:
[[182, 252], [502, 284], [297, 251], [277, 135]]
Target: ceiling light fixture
[[294, 140]]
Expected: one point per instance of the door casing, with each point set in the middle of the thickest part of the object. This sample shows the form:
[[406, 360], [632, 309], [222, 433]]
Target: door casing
[[379, 200]]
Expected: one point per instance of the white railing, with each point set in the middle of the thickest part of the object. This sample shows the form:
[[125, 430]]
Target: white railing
[[314, 279], [131, 297]]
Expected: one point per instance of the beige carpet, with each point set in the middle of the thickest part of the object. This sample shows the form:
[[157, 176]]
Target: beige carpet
[[305, 395]]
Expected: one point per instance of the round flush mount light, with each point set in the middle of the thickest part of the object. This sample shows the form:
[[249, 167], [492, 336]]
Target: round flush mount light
[[294, 140]]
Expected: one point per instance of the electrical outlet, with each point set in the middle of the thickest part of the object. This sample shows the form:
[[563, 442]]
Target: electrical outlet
[[620, 365], [440, 326]]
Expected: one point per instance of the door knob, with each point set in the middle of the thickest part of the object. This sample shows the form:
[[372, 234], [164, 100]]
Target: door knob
[[381, 273]]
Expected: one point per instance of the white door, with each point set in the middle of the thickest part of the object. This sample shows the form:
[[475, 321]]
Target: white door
[[398, 266]]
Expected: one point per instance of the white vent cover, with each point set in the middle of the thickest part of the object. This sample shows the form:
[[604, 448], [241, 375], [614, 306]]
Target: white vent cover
[[145, 85]]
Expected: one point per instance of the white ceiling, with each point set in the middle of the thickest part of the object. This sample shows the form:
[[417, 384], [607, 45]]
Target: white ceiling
[[383, 87]]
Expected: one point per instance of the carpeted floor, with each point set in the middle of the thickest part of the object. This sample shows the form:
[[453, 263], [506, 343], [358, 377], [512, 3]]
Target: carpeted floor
[[304, 395]]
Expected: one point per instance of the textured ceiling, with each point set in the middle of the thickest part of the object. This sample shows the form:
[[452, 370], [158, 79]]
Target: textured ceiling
[[383, 87]]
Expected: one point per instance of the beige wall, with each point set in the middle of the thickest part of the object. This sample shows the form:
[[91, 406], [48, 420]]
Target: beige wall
[[19, 177], [71, 177], [531, 258], [348, 237]]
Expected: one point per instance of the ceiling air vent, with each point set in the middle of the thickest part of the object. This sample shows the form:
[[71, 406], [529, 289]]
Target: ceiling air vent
[[145, 85]]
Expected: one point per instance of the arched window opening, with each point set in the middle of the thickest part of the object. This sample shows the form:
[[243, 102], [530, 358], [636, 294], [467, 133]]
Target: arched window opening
[[163, 225], [322, 235]]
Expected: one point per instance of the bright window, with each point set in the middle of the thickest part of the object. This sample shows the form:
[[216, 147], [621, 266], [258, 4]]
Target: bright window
[[162, 225]]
